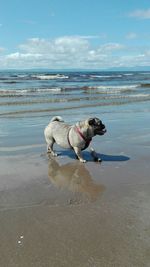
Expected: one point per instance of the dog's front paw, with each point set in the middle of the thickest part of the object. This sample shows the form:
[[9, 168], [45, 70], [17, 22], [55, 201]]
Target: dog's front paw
[[96, 159], [99, 160], [82, 160], [95, 156], [54, 154]]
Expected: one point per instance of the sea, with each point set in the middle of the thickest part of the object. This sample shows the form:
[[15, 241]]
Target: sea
[[30, 98]]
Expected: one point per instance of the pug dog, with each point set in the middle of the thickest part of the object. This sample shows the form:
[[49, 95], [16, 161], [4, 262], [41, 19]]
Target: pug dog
[[76, 137]]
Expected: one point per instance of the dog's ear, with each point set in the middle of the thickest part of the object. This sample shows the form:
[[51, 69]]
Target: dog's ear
[[91, 121]]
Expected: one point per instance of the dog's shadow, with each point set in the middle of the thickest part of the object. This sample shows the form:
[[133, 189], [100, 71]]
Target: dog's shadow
[[113, 157], [88, 157]]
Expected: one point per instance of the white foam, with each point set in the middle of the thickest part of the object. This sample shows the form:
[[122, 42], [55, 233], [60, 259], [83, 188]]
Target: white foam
[[114, 88], [105, 76], [140, 95], [55, 89], [29, 91], [17, 148], [121, 86], [50, 77], [128, 74]]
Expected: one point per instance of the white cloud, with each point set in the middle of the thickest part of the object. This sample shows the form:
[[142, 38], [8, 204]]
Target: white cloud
[[131, 35], [73, 52], [69, 51], [140, 14], [2, 49], [90, 36], [111, 47], [59, 45], [17, 55]]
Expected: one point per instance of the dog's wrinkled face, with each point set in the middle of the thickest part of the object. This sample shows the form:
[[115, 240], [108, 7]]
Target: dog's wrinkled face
[[97, 125]]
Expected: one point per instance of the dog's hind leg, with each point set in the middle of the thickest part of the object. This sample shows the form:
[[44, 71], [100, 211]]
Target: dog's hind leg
[[50, 144]]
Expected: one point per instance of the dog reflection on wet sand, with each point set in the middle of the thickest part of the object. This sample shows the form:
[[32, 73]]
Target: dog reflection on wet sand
[[74, 177]]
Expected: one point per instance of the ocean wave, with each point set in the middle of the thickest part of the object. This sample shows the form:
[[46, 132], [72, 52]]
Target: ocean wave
[[106, 76], [112, 88], [73, 90], [50, 76], [99, 89], [128, 74], [43, 90], [8, 81], [22, 92], [91, 104], [18, 148], [118, 86], [145, 85], [141, 96], [101, 99], [22, 75]]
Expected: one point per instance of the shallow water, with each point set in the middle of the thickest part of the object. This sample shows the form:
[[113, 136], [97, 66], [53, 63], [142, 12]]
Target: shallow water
[[29, 99]]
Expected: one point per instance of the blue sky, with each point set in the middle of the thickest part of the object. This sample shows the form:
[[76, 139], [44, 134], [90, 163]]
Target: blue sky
[[74, 34]]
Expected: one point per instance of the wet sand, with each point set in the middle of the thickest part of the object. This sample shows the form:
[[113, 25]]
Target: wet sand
[[60, 212]]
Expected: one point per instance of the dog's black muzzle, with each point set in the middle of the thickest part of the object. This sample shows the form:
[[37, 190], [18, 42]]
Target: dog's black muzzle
[[100, 130]]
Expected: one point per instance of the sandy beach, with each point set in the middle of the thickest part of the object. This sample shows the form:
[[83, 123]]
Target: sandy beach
[[60, 212]]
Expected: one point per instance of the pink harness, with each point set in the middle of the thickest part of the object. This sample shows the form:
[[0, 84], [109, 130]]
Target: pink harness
[[87, 141]]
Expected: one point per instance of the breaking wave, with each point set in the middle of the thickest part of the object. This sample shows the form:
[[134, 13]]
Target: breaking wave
[[50, 76], [23, 92]]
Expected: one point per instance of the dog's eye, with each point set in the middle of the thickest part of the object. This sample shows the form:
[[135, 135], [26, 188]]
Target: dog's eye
[[91, 121]]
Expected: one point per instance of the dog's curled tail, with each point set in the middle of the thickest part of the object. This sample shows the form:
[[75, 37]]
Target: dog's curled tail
[[57, 118]]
